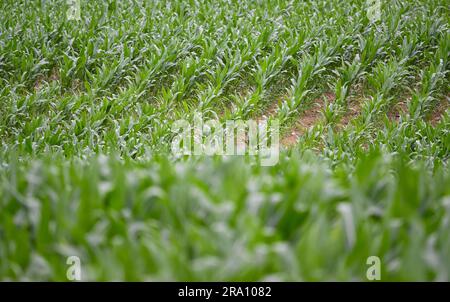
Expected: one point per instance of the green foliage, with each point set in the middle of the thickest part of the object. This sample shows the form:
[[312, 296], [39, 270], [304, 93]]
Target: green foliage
[[85, 129]]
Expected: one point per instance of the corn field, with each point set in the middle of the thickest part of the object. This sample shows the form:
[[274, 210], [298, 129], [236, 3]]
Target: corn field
[[86, 168]]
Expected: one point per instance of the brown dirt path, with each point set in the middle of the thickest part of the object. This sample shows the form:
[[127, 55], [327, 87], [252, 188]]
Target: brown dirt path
[[307, 119], [439, 111]]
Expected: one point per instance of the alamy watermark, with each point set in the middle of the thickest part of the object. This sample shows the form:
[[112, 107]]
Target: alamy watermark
[[373, 273], [234, 137], [373, 10], [73, 272], [74, 10]]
